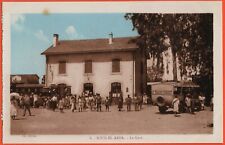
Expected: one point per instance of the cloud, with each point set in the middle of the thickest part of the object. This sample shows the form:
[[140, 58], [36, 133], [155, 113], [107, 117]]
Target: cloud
[[41, 36], [17, 21], [71, 32]]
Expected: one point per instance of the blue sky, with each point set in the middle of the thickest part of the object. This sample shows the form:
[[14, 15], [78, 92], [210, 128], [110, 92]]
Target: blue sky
[[31, 34]]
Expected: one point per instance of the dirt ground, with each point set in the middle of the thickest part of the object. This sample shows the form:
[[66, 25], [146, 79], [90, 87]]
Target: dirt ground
[[146, 121]]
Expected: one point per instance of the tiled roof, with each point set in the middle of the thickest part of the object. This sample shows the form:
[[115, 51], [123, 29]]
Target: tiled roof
[[92, 45]]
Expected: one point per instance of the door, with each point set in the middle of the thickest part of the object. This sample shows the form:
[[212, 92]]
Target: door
[[88, 88]]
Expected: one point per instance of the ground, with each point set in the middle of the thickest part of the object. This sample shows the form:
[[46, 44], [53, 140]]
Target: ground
[[146, 121]]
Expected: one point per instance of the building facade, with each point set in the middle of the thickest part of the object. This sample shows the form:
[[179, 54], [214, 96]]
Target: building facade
[[106, 66]]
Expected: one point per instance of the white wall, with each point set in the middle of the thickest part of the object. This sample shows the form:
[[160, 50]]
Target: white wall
[[101, 76]]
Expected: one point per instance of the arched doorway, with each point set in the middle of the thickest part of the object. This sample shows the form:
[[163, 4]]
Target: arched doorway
[[88, 88], [116, 92]]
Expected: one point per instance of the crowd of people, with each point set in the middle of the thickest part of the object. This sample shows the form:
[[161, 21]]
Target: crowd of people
[[188, 104], [92, 102]]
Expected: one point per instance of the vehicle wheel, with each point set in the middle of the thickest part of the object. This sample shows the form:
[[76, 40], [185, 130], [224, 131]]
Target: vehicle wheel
[[162, 109]]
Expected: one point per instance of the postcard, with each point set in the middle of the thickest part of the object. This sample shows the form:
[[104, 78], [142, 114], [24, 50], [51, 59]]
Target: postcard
[[112, 72]]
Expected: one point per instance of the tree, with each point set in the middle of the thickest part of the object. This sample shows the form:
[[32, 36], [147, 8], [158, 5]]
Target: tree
[[190, 37]]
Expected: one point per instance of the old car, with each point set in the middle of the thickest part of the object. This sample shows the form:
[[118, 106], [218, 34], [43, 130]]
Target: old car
[[163, 93]]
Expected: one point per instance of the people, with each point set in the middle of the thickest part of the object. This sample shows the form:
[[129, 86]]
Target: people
[[202, 101], [188, 103], [91, 102], [211, 103], [26, 105], [145, 99], [99, 102], [35, 100], [107, 104], [86, 102], [13, 108], [128, 102], [80, 104], [140, 101], [120, 102], [54, 102], [135, 100], [175, 104], [61, 105], [73, 103]]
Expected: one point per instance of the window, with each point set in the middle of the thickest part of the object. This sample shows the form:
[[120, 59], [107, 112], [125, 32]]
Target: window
[[116, 87], [88, 66], [115, 65], [62, 67]]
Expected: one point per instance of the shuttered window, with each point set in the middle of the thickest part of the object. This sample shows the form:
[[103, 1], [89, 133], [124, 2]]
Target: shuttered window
[[88, 66], [62, 67], [115, 65]]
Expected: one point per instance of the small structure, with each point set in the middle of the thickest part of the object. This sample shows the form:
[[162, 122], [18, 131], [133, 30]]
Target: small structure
[[25, 83]]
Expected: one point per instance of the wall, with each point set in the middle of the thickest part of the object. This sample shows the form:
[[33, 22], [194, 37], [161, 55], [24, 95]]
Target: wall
[[101, 76]]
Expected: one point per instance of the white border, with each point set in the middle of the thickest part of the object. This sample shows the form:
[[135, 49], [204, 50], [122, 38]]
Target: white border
[[111, 7]]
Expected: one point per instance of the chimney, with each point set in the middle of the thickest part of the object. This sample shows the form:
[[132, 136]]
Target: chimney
[[55, 40], [111, 38]]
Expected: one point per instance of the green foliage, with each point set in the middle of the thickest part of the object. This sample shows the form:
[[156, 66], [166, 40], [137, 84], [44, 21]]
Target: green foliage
[[190, 37]]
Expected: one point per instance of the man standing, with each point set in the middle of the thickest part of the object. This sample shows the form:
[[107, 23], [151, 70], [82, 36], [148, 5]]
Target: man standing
[[120, 103], [26, 105], [188, 103], [140, 101], [107, 104], [128, 102], [80, 104], [98, 102]]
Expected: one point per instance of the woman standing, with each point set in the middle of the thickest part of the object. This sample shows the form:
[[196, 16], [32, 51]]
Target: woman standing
[[176, 103], [13, 108], [73, 104]]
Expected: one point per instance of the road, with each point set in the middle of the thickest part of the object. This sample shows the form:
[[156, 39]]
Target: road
[[146, 121]]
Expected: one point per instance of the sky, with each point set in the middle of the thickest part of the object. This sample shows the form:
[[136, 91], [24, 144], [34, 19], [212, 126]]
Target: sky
[[31, 34]]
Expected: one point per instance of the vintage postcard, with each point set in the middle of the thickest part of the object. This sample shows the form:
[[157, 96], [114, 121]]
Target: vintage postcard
[[112, 72]]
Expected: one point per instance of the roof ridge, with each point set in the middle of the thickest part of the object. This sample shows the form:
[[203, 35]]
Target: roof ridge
[[88, 39]]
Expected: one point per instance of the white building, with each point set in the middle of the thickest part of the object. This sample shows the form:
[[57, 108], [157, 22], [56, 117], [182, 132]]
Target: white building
[[104, 66]]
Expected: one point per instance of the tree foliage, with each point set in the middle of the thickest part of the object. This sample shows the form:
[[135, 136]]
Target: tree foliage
[[190, 36]]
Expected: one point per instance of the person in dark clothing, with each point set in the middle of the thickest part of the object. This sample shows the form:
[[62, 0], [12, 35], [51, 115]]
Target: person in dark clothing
[[26, 105], [140, 101], [54, 102], [120, 103], [128, 102], [99, 102], [107, 104], [136, 102]]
